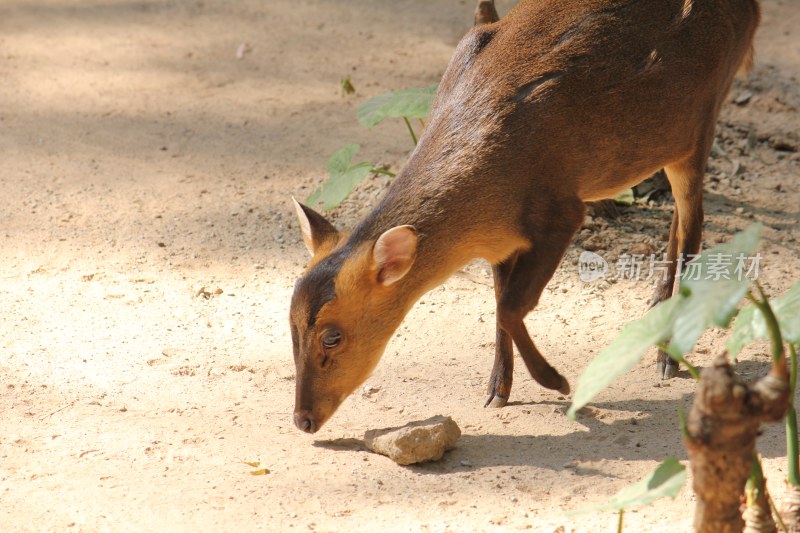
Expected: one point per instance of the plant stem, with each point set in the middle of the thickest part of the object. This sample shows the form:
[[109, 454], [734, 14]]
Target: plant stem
[[411, 130], [381, 171], [778, 358], [423, 123], [793, 475], [776, 514], [755, 483], [682, 421], [692, 370], [619, 523], [689, 366], [772, 324], [757, 514]]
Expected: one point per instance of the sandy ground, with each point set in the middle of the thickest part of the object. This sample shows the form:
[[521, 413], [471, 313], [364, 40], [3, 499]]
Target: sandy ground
[[148, 252]]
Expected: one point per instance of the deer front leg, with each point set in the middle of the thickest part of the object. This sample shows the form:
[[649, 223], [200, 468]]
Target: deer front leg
[[522, 281]]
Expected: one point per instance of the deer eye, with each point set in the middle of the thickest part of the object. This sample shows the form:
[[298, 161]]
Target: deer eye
[[331, 339]]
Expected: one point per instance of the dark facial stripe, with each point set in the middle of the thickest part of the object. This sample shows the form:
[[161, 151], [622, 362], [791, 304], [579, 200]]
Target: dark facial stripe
[[318, 287]]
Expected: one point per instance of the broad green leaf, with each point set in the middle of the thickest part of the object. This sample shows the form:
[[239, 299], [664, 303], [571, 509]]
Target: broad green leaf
[[409, 103], [750, 324], [665, 481], [715, 283], [787, 309], [625, 197], [625, 351], [343, 176]]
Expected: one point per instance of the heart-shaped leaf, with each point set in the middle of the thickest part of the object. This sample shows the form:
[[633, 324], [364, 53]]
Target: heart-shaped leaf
[[408, 103], [750, 324], [343, 176], [625, 351], [665, 481], [715, 283]]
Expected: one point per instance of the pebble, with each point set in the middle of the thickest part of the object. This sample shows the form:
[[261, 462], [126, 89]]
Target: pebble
[[416, 442]]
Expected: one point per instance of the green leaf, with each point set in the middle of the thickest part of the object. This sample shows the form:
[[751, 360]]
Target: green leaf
[[750, 324], [347, 86], [408, 103], [746, 329], [625, 351], [625, 197], [342, 179], [787, 309], [715, 284], [666, 480]]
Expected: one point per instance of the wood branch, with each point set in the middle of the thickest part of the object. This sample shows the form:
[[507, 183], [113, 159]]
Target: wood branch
[[723, 424], [790, 509]]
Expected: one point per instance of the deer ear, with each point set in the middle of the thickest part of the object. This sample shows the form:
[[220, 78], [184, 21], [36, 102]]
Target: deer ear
[[315, 228], [394, 253]]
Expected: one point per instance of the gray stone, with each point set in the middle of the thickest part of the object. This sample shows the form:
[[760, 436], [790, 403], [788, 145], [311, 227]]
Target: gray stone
[[416, 442]]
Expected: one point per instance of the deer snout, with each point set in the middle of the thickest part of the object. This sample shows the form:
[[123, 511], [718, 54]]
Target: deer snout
[[304, 421]]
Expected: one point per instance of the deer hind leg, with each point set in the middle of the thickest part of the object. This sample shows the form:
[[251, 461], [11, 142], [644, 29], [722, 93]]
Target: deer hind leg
[[521, 281], [485, 13], [503, 369], [686, 179]]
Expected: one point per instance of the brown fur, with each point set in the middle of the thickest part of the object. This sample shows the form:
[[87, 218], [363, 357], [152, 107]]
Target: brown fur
[[560, 103]]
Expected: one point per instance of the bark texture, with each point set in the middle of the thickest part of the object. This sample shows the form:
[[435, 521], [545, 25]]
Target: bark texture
[[790, 509], [723, 425], [758, 518]]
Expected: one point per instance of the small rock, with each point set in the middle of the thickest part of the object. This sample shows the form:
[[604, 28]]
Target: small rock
[[783, 144], [466, 462], [641, 248], [736, 167], [596, 242], [242, 49], [743, 98], [369, 390], [768, 157], [416, 442], [202, 292]]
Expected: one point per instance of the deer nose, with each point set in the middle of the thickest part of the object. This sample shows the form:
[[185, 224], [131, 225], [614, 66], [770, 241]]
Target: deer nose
[[305, 421]]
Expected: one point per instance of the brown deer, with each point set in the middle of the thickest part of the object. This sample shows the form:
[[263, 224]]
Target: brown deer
[[560, 103]]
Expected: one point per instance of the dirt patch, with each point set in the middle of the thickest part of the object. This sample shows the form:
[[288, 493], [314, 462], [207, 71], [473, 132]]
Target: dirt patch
[[149, 251]]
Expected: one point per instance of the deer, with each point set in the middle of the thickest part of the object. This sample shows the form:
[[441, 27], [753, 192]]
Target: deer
[[560, 103]]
